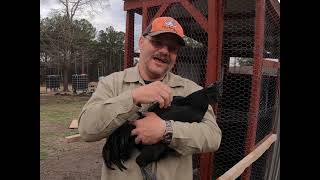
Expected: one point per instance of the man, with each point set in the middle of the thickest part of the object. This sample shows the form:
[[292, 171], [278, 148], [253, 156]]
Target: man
[[121, 95]]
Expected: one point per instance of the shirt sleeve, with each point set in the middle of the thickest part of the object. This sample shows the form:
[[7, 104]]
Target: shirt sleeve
[[105, 111], [190, 138]]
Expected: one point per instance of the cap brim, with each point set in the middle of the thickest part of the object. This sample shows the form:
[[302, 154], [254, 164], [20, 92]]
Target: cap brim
[[179, 38]]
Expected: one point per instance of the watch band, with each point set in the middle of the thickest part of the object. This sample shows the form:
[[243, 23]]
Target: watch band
[[167, 137]]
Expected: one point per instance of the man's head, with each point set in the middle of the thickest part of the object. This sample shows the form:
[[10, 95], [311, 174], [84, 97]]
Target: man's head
[[159, 46]]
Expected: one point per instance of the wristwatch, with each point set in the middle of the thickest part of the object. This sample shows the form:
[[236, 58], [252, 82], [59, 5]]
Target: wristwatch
[[167, 137]]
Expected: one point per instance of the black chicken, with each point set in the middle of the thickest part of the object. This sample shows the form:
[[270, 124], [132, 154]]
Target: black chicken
[[191, 108]]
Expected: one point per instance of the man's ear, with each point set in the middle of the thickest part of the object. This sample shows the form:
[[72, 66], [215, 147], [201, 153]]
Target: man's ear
[[141, 39]]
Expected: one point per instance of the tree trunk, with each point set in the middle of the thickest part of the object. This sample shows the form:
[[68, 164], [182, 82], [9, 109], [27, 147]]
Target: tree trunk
[[66, 70], [82, 61], [88, 69], [65, 79]]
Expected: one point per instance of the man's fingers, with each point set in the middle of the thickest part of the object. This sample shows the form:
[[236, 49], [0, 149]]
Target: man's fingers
[[165, 92], [133, 122], [137, 140], [134, 132], [148, 114], [167, 89], [166, 97], [160, 100]]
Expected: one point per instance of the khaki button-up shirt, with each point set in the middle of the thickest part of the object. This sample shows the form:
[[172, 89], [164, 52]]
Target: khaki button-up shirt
[[112, 104]]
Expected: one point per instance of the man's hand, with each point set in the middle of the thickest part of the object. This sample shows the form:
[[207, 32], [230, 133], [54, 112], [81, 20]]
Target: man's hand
[[153, 92], [150, 129]]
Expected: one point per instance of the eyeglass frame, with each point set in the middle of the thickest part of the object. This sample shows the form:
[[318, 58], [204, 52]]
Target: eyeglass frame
[[159, 44]]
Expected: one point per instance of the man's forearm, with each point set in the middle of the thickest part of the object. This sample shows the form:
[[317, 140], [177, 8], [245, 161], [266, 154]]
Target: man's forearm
[[100, 118], [190, 138]]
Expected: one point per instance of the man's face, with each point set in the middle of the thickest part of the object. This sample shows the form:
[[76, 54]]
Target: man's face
[[158, 54]]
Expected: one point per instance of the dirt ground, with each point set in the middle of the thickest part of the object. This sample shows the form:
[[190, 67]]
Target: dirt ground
[[67, 161], [82, 162]]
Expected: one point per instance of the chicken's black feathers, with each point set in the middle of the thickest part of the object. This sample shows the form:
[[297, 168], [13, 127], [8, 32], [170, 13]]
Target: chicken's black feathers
[[192, 108]]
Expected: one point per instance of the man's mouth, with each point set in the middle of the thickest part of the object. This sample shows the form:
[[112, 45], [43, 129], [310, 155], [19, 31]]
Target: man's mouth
[[161, 59]]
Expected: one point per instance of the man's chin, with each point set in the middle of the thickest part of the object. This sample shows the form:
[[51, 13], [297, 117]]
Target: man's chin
[[158, 72]]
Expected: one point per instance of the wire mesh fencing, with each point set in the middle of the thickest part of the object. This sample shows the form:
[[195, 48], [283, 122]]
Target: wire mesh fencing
[[246, 112], [191, 59], [52, 82], [249, 70], [80, 82]]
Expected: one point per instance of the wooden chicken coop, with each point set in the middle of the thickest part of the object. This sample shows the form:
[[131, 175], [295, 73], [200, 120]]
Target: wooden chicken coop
[[238, 43]]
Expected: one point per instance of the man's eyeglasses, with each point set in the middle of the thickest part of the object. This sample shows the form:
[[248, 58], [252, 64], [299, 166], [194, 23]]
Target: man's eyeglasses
[[159, 44]]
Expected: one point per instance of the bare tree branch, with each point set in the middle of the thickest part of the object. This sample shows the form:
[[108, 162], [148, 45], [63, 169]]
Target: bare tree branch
[[74, 8]]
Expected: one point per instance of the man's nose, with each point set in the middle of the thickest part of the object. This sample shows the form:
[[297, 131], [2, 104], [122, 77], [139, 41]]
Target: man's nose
[[164, 49]]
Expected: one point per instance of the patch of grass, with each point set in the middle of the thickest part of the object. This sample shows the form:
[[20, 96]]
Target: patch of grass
[[43, 154], [55, 118], [71, 132], [61, 113], [43, 149]]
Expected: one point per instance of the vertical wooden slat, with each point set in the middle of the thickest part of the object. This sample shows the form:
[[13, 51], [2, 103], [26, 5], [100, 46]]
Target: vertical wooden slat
[[144, 17], [206, 159], [129, 40], [211, 69], [256, 82]]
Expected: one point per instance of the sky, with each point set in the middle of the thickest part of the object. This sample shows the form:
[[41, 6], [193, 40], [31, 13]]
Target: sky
[[113, 15]]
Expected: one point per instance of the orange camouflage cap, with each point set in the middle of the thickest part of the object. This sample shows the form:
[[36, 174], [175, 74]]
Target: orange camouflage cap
[[165, 25]]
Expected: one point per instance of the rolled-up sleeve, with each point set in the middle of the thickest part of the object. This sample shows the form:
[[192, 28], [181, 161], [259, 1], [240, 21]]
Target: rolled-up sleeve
[[105, 111], [190, 138]]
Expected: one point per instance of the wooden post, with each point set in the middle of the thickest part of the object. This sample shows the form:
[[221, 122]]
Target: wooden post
[[74, 124], [129, 40], [256, 82], [73, 138], [237, 169]]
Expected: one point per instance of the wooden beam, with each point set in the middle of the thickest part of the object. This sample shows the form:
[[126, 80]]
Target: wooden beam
[[73, 138], [256, 82], [129, 40], [135, 4], [211, 27], [220, 19], [276, 6], [269, 63], [212, 30], [164, 6], [196, 14], [145, 17], [132, 4], [206, 166], [74, 124], [238, 169]]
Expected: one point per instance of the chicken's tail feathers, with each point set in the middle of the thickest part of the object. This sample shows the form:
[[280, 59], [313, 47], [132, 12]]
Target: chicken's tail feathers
[[214, 92], [147, 175], [107, 157]]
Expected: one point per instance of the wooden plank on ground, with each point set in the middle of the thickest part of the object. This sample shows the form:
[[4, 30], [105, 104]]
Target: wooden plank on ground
[[74, 124], [238, 169], [73, 138]]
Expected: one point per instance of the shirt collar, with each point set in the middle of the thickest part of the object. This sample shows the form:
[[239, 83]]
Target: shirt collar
[[132, 74]]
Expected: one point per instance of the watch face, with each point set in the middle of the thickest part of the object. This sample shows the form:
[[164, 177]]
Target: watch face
[[168, 137]]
